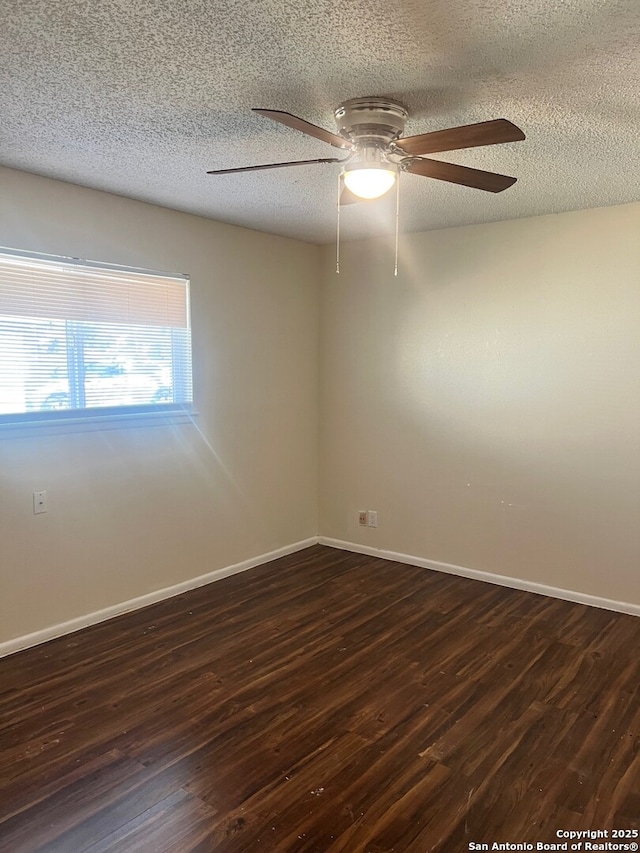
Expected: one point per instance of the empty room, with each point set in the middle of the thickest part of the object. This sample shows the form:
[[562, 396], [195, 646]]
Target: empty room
[[319, 426]]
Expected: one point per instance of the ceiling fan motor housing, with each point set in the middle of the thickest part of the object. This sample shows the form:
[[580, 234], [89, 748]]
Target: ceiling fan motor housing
[[371, 121]]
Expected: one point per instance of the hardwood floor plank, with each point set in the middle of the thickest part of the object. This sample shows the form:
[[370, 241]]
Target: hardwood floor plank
[[176, 823], [326, 702]]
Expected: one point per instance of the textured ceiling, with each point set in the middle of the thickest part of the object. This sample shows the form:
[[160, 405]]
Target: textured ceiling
[[141, 97]]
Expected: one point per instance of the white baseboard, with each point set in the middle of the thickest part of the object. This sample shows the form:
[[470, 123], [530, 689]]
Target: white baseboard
[[488, 577], [59, 630], [28, 640]]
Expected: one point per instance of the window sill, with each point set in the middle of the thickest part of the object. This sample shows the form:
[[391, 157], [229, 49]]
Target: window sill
[[59, 425]]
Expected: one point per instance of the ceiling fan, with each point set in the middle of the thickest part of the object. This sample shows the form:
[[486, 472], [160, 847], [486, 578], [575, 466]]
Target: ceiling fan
[[370, 130]]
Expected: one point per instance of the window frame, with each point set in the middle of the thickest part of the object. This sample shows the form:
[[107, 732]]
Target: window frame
[[104, 417]]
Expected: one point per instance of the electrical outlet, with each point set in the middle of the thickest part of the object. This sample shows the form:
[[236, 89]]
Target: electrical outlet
[[362, 518], [39, 502], [372, 518]]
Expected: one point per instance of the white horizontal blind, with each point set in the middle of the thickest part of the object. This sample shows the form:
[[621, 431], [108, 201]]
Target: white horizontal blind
[[53, 290], [78, 338]]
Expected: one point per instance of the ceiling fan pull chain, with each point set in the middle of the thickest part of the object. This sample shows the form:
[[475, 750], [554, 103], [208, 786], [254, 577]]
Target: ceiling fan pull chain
[[338, 227], [395, 268]]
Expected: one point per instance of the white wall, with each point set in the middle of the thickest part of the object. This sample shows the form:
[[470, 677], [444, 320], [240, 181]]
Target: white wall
[[487, 401], [137, 510]]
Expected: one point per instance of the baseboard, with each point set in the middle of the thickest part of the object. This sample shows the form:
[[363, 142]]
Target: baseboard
[[488, 577], [59, 630], [28, 640]]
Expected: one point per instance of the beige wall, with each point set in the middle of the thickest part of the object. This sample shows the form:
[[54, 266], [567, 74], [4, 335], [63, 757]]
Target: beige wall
[[136, 510], [487, 401]]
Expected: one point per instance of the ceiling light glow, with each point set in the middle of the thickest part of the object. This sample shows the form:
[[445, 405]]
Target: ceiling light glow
[[369, 182]]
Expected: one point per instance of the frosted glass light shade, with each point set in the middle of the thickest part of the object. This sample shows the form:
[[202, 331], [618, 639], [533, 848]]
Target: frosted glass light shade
[[369, 183]]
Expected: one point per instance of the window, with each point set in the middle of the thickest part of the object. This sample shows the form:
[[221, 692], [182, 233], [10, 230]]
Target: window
[[82, 340]]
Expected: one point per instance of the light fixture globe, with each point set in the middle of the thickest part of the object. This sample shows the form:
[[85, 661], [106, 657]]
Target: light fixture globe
[[370, 182], [370, 175]]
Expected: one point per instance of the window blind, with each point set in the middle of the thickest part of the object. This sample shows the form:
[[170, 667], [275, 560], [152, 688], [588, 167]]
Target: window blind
[[52, 290], [76, 337]]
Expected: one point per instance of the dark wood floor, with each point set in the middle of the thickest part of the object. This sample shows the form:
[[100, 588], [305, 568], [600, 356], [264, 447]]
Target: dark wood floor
[[325, 702]]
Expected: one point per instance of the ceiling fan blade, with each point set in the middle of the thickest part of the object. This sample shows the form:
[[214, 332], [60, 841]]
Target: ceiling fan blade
[[306, 127], [478, 179], [467, 136], [273, 166]]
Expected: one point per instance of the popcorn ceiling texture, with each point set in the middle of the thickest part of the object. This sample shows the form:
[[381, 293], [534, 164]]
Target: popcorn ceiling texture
[[141, 97]]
